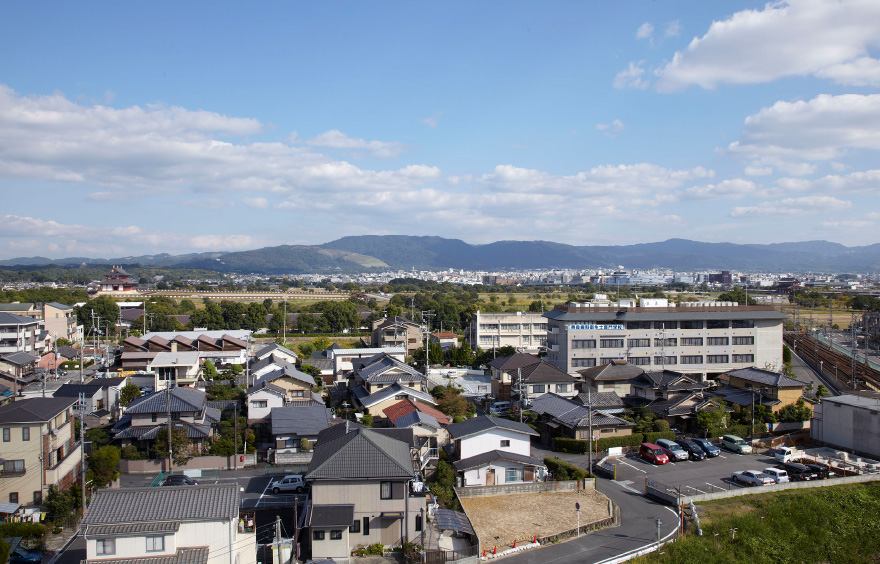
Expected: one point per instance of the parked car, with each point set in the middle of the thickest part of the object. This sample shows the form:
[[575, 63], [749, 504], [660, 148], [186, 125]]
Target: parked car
[[499, 408], [798, 472], [822, 472], [179, 480], [735, 444], [672, 450], [707, 446], [751, 478], [779, 476], [693, 449], [653, 453], [21, 555], [290, 483]]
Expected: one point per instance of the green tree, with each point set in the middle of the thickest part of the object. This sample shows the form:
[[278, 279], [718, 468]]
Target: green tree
[[450, 401], [311, 371], [712, 417], [367, 420], [105, 310], [180, 443], [737, 295], [786, 354], [794, 413], [128, 393], [103, 464], [209, 371], [304, 445], [58, 503], [822, 391]]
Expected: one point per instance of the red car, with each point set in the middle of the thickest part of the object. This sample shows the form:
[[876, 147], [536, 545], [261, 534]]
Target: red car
[[652, 453]]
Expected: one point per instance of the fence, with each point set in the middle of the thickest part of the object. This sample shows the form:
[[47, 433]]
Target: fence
[[779, 487], [198, 463], [451, 556], [527, 488]]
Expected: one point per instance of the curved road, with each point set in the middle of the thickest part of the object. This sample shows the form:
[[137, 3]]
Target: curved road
[[638, 529]]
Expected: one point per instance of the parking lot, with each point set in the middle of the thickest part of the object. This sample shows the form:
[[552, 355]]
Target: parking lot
[[690, 477]]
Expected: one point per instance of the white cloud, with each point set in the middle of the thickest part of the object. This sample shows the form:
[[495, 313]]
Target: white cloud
[[256, 203], [432, 121], [673, 29], [733, 188], [645, 31], [610, 129], [755, 169], [805, 205], [851, 225], [827, 39], [336, 139], [159, 149], [631, 77], [787, 134]]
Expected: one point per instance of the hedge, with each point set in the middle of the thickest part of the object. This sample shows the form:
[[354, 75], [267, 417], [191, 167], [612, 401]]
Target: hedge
[[563, 470], [633, 440], [570, 445], [652, 437], [74, 364]]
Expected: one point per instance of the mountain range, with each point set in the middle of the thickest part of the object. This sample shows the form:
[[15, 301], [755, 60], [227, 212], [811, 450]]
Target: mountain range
[[366, 253]]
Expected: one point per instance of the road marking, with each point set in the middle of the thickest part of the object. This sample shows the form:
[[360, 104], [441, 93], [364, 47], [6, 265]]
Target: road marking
[[264, 492], [633, 467], [625, 486], [714, 486], [693, 488]]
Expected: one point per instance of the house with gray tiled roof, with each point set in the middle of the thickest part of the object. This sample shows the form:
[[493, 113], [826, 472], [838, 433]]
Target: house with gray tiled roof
[[147, 415], [289, 425], [169, 525], [362, 492], [659, 385], [611, 377], [376, 403], [384, 370], [765, 387], [489, 451], [565, 418], [536, 375]]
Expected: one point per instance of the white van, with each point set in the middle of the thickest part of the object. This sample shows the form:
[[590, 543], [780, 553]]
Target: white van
[[499, 408]]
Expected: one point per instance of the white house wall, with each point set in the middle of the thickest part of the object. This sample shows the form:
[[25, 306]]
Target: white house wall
[[491, 440]]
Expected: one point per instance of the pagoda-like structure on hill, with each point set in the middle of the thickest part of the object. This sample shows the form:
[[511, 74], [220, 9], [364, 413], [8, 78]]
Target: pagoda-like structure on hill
[[117, 282]]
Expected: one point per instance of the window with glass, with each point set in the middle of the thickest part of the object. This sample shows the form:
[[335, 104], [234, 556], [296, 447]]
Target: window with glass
[[743, 340], [336, 534], [611, 343], [639, 360], [637, 343], [583, 362], [716, 359], [743, 358], [583, 344], [355, 527], [562, 388], [718, 341], [691, 324], [13, 497], [670, 342], [514, 475], [658, 360], [666, 325], [692, 341], [260, 403], [717, 324], [13, 466], [317, 535], [385, 490], [105, 546], [510, 326], [418, 523], [7, 434], [538, 389], [25, 433], [366, 525], [609, 359], [691, 359], [155, 544], [638, 324], [743, 324]]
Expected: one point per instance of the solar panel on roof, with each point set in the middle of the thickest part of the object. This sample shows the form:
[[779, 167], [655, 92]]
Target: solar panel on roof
[[449, 520]]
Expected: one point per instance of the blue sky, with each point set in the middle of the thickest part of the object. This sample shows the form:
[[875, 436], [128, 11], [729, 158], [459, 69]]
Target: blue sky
[[187, 127]]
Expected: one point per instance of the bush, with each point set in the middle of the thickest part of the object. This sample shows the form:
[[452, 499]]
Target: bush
[[564, 470], [130, 452], [33, 533], [652, 437], [570, 445], [633, 440]]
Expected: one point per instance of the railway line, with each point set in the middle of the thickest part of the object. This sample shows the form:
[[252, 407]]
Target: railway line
[[832, 364]]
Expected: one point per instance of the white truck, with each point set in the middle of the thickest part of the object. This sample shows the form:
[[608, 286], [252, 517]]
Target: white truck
[[786, 454], [752, 478]]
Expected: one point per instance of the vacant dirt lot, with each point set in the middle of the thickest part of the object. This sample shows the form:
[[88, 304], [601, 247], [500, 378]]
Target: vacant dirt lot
[[501, 519]]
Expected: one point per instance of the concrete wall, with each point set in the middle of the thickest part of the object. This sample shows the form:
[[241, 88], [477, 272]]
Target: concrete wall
[[198, 463], [779, 487], [491, 440], [536, 487], [847, 427]]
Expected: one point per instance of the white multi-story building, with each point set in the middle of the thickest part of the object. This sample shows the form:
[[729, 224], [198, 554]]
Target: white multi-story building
[[703, 339], [526, 332]]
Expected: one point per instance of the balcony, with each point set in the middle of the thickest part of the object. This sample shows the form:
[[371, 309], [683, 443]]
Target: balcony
[[553, 348], [12, 473]]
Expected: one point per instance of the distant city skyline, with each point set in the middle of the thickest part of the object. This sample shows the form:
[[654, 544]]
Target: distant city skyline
[[167, 128]]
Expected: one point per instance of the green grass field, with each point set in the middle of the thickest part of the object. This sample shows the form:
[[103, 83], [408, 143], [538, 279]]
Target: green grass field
[[832, 524]]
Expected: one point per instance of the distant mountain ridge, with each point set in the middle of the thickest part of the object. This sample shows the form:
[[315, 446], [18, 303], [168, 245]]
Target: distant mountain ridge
[[366, 253]]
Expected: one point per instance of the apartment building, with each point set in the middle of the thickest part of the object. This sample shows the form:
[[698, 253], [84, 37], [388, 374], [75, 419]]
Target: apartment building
[[60, 321], [37, 449], [526, 332], [700, 339], [19, 333]]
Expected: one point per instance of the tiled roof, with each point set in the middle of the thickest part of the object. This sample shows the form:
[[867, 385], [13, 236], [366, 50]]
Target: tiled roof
[[379, 370], [571, 413], [174, 503], [183, 556], [361, 453], [68, 352], [416, 418], [287, 370], [150, 432], [56, 305], [274, 347], [319, 363], [492, 456], [74, 390], [483, 423], [618, 370], [182, 400], [19, 358], [544, 372], [33, 410], [681, 403], [267, 387], [16, 307], [667, 380], [131, 529], [394, 390], [764, 377], [7, 318], [299, 420], [743, 397], [512, 362], [403, 407], [331, 515], [608, 400]]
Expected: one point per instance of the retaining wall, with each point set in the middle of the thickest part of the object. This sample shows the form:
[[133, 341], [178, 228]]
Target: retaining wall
[[198, 463], [779, 487], [527, 488]]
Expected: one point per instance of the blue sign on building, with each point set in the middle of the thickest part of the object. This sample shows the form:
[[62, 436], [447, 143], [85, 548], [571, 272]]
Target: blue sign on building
[[595, 327]]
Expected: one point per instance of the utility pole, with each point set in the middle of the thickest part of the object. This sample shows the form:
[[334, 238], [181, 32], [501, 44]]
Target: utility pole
[[236, 434], [284, 324], [590, 426], [82, 448], [519, 387], [168, 405], [81, 363]]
